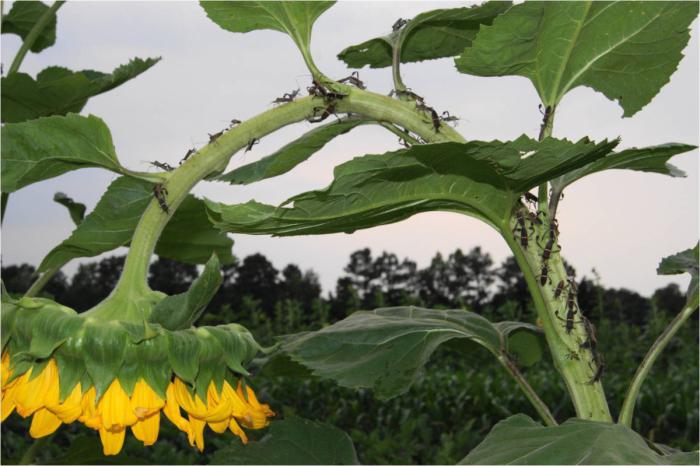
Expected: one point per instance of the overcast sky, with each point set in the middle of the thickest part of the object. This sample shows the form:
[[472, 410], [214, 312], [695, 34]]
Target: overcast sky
[[620, 223]]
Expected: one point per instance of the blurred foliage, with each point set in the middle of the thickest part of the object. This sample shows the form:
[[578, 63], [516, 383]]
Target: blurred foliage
[[458, 399]]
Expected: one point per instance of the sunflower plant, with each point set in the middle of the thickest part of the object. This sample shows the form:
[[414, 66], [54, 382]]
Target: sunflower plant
[[139, 353]]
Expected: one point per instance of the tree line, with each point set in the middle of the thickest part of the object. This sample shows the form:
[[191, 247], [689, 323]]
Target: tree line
[[256, 293]]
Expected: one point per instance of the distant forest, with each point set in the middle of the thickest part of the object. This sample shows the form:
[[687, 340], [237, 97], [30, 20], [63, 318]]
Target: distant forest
[[291, 298]]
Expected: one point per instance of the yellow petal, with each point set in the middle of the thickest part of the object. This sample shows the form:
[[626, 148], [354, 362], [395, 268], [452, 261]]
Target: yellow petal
[[239, 408], [5, 371], [115, 408], [8, 402], [144, 401], [90, 417], [172, 412], [198, 430], [253, 400], [44, 422], [194, 406], [112, 441], [236, 430], [220, 426], [146, 429], [39, 392], [71, 408]]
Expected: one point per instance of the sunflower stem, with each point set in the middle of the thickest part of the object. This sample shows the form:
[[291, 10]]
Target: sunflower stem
[[215, 156]]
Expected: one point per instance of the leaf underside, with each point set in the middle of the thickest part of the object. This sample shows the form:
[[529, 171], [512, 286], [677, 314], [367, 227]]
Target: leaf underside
[[386, 349], [626, 50], [22, 17], [58, 91], [430, 35], [188, 237], [520, 440], [482, 179]]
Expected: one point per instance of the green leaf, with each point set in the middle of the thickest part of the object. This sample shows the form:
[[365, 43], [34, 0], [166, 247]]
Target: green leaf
[[482, 179], [524, 342], [58, 91], [50, 328], [103, 346], [520, 440], [626, 50], [22, 18], [182, 310], [683, 262], [386, 349], [75, 209], [292, 441], [295, 19], [41, 149], [648, 159], [430, 35], [188, 237], [183, 354], [290, 155], [212, 366], [152, 356]]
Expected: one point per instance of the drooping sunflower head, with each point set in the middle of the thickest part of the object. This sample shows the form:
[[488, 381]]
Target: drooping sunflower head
[[62, 367]]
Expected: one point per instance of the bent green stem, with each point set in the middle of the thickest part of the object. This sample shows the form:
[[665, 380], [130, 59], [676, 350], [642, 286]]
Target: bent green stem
[[527, 389], [41, 282], [214, 157], [33, 35], [627, 412]]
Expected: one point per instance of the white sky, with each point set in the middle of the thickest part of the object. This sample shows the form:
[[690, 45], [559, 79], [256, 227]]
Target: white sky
[[621, 223]]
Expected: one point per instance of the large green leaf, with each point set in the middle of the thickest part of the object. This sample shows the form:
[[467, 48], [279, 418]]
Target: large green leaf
[[430, 35], [482, 179], [22, 18], [626, 50], [647, 159], [386, 349], [48, 147], [75, 209], [683, 262], [182, 310], [57, 91], [111, 225], [290, 155], [520, 440], [293, 18], [292, 441]]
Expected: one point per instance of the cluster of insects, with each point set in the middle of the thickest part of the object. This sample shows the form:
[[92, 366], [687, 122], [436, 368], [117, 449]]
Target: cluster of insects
[[435, 118], [526, 220], [159, 190], [330, 97]]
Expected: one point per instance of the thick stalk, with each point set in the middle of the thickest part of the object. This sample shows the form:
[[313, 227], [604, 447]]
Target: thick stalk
[[33, 34], [531, 395], [215, 156], [577, 366], [627, 412]]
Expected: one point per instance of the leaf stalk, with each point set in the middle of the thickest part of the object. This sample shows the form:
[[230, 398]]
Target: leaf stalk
[[627, 411]]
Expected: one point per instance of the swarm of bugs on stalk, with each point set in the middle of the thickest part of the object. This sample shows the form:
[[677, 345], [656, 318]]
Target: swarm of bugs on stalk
[[317, 89]]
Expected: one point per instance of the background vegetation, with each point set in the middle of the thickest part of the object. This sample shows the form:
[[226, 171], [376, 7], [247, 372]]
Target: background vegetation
[[453, 406]]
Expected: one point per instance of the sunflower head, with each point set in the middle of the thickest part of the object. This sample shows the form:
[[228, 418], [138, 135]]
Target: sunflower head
[[61, 367]]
